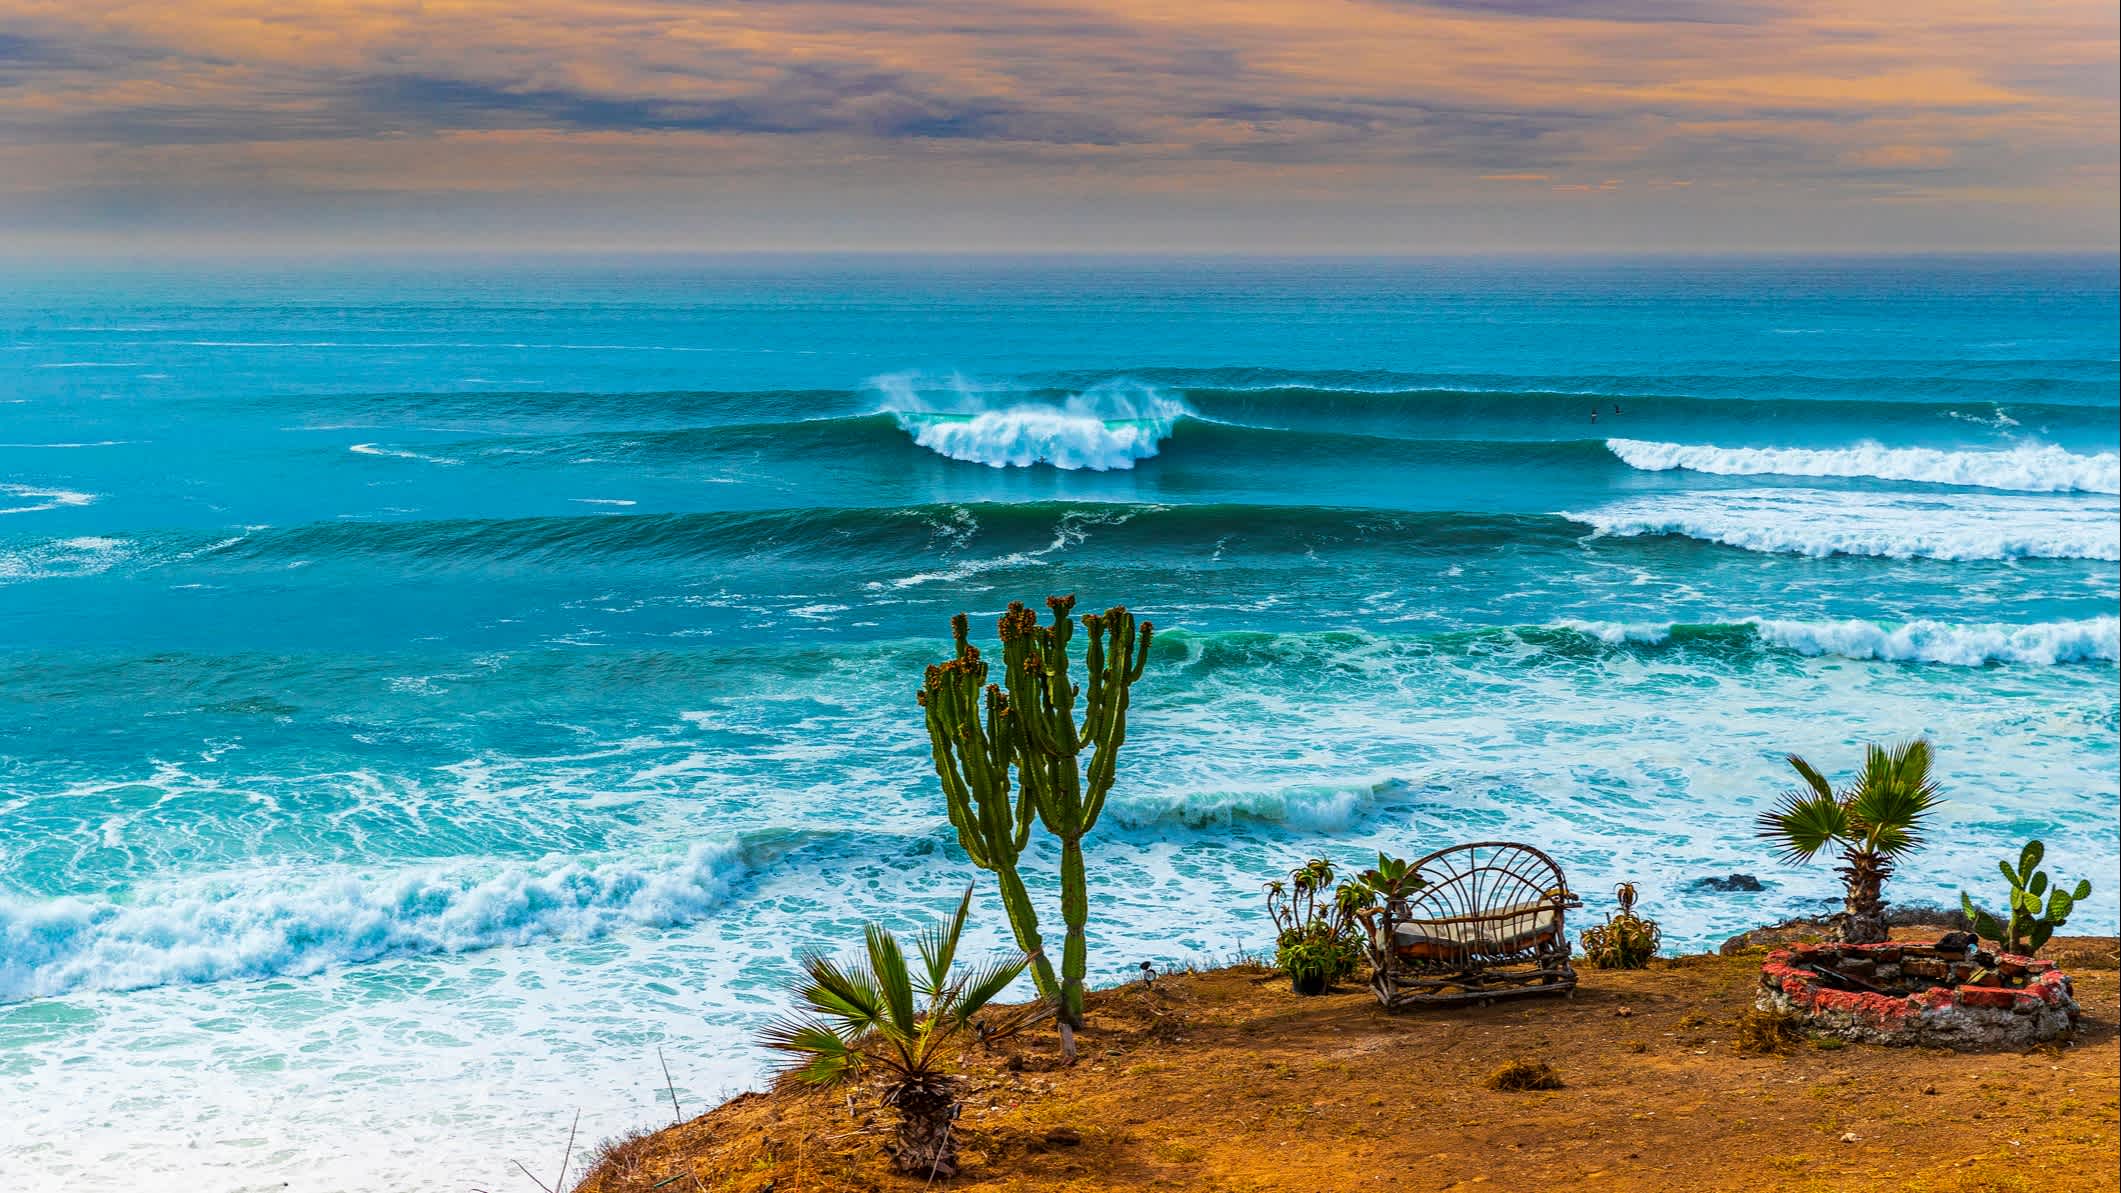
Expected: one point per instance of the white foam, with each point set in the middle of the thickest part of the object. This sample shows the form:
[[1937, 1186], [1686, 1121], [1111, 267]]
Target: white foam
[[42, 498], [1615, 633], [1106, 427], [376, 449], [1320, 808], [279, 926], [1073, 528], [1818, 523], [1926, 641], [63, 559], [1976, 644], [2035, 468]]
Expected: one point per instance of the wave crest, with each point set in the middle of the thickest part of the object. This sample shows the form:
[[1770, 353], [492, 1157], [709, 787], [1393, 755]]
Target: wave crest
[[2045, 643], [1973, 644], [1108, 426], [2034, 468]]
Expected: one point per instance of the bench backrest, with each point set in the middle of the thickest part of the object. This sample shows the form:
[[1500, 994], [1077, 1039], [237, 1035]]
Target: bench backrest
[[1486, 880]]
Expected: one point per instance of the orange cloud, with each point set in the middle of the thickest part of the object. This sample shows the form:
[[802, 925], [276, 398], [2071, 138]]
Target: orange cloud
[[1427, 102], [1900, 157]]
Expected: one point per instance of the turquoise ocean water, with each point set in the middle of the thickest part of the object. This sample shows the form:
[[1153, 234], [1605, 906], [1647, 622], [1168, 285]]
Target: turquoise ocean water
[[428, 689]]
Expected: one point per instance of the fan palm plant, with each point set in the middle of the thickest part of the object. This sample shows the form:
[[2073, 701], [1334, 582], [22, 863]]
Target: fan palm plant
[[1876, 820], [905, 1025]]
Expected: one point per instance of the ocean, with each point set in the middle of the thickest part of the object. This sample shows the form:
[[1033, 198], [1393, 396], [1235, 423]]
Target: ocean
[[430, 688]]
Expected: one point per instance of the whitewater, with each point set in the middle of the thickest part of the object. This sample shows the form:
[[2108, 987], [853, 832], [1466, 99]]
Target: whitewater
[[2038, 468], [501, 701]]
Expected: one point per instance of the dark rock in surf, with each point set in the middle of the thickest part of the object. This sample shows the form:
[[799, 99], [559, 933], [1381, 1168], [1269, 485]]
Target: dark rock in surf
[[1736, 882]]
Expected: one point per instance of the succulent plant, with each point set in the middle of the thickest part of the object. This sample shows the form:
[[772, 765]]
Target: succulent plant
[[2036, 908], [979, 731]]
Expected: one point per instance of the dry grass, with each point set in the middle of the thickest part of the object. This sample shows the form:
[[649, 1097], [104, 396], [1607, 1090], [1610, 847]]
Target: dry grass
[[1766, 1033], [1520, 1075]]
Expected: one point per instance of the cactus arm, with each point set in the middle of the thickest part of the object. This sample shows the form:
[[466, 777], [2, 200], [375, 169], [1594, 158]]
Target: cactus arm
[[972, 738]]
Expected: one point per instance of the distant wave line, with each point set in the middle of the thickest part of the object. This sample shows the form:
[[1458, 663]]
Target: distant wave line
[[2037, 468]]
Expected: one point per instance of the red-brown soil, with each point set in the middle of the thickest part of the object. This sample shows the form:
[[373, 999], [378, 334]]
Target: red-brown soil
[[1224, 1081]]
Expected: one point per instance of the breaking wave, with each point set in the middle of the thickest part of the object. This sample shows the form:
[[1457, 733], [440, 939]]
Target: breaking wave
[[1819, 524], [2047, 643], [1102, 428], [54, 946], [2037, 468]]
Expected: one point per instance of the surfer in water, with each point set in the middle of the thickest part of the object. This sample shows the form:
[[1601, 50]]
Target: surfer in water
[[1616, 407], [1594, 414]]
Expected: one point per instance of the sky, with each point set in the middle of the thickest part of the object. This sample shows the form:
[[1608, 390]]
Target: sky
[[1297, 126]]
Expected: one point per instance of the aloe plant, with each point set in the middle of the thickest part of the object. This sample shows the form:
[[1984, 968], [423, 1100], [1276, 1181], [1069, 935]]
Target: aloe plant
[[1625, 940], [1875, 820], [908, 1026], [1317, 937], [2036, 909]]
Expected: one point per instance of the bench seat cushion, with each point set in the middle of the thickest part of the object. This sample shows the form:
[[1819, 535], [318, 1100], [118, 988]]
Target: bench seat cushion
[[1513, 929]]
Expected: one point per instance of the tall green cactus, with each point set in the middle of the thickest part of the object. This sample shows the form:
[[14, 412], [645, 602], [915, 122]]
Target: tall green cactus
[[1048, 744], [2032, 919], [974, 741]]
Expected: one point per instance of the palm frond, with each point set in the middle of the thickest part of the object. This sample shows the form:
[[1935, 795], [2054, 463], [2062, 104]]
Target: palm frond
[[987, 983], [838, 992], [817, 1054], [938, 948], [893, 981], [1803, 823], [1811, 776], [1894, 797]]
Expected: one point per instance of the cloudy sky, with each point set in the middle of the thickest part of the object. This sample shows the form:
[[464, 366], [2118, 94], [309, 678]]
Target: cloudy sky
[[1265, 125]]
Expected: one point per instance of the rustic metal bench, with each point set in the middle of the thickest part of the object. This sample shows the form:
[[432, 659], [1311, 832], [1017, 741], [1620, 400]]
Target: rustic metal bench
[[1486, 924]]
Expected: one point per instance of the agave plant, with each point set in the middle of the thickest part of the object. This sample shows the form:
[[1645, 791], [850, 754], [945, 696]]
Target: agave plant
[[1875, 820], [906, 1026]]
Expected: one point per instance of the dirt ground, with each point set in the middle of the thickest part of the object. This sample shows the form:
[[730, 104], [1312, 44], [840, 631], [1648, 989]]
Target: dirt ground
[[1224, 1081]]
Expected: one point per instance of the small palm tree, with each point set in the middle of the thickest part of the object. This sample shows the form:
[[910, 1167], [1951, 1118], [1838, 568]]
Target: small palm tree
[[1876, 819], [906, 1026]]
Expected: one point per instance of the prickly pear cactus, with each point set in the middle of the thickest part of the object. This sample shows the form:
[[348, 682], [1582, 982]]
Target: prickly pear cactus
[[2036, 908]]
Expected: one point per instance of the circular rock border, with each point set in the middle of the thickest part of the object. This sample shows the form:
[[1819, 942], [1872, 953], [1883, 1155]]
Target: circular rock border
[[1956, 1005]]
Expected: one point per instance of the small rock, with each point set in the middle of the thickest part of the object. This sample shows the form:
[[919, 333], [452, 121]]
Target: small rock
[[1850, 1137], [1624, 1012], [1930, 1089], [1735, 883], [1064, 1137]]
